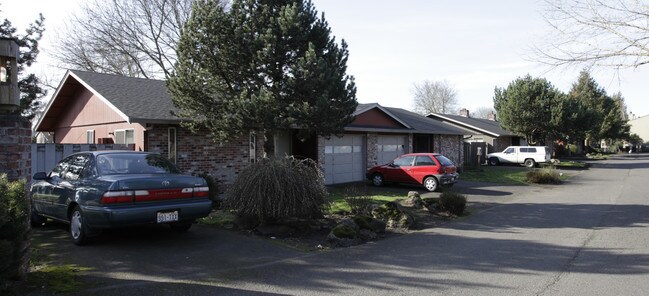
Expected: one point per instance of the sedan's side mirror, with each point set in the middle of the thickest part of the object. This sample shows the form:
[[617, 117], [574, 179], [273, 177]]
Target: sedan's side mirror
[[40, 176]]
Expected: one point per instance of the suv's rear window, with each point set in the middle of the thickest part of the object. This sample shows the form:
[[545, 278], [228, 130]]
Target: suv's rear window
[[443, 160]]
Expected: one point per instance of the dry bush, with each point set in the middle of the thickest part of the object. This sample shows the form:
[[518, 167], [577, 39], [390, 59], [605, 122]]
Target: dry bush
[[452, 201], [544, 176], [358, 199], [273, 189]]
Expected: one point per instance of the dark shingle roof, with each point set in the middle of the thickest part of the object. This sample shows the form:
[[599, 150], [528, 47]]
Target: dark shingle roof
[[141, 100], [147, 101], [415, 123], [481, 125]]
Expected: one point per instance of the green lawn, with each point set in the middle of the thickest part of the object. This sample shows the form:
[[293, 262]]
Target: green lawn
[[338, 203], [570, 164], [508, 174], [495, 174]]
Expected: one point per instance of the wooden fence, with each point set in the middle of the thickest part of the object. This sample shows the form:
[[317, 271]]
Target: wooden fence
[[45, 156]]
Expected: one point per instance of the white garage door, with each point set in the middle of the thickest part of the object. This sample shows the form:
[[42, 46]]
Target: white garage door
[[344, 159], [390, 147]]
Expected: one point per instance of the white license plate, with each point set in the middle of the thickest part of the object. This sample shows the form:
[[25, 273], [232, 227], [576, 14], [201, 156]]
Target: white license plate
[[164, 217]]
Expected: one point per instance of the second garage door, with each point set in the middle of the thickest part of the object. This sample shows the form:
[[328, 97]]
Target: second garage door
[[390, 147]]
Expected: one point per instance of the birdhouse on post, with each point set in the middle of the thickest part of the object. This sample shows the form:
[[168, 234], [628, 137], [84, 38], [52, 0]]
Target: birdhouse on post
[[9, 92]]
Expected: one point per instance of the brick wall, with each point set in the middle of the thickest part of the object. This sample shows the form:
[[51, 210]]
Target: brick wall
[[15, 148], [450, 146], [372, 150], [196, 153]]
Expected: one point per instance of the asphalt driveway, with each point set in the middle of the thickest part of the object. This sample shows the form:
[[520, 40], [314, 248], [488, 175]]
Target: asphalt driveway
[[587, 237]]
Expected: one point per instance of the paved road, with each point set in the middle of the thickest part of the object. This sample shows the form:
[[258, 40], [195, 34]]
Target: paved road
[[587, 237]]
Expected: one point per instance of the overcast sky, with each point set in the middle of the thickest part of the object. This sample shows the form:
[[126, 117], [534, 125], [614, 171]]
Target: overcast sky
[[474, 45]]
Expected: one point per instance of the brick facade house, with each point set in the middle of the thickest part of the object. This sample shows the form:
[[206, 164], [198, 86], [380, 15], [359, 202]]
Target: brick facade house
[[486, 134], [93, 108]]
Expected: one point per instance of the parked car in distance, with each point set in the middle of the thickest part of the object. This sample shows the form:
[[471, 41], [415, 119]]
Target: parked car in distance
[[104, 189], [527, 155], [429, 169]]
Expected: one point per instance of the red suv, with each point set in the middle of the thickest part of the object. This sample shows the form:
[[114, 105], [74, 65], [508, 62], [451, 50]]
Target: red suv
[[428, 169]]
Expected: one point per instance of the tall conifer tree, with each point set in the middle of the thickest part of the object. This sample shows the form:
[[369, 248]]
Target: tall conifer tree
[[263, 65]]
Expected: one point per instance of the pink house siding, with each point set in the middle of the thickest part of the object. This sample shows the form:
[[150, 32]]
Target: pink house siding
[[88, 112]]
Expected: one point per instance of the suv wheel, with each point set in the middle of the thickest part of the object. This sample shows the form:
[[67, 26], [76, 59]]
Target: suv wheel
[[530, 163], [493, 161]]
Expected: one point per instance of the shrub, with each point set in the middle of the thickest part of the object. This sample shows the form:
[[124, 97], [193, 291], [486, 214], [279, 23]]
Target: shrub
[[14, 230], [273, 189], [214, 189], [453, 202], [547, 175], [358, 200], [344, 231], [363, 222]]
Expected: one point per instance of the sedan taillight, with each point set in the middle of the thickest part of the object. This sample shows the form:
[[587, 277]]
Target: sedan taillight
[[111, 197], [127, 196]]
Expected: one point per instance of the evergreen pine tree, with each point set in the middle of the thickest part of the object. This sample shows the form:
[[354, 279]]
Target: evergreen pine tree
[[263, 65]]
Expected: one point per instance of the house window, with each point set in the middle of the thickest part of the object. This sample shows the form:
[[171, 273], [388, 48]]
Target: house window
[[90, 136], [253, 146], [126, 136], [172, 144]]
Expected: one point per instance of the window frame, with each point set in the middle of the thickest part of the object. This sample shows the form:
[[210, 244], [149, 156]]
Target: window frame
[[124, 131], [252, 146], [90, 136], [172, 153]]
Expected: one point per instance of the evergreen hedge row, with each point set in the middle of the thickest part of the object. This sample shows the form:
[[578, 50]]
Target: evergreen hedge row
[[14, 230]]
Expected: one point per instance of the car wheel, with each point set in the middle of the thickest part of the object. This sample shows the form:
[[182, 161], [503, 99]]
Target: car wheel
[[431, 184], [377, 180], [78, 229], [181, 226], [493, 161], [35, 219], [530, 163]]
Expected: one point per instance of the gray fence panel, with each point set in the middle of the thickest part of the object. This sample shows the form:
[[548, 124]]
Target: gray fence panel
[[45, 156]]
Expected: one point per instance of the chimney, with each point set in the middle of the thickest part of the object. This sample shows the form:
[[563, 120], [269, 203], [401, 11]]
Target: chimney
[[491, 116], [464, 112]]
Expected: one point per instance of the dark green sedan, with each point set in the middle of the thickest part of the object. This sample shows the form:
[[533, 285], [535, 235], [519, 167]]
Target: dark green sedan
[[104, 189]]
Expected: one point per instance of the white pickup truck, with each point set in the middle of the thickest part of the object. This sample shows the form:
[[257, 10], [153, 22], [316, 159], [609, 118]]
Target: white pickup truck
[[527, 155]]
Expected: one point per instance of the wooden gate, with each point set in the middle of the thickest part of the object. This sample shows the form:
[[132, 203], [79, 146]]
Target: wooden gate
[[471, 157]]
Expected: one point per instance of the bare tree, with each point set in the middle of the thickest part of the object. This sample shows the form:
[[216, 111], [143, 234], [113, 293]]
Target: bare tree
[[128, 37], [596, 33], [434, 97], [483, 112]]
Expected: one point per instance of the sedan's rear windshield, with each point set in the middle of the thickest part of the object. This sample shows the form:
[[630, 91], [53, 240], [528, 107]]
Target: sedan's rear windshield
[[443, 160], [135, 163]]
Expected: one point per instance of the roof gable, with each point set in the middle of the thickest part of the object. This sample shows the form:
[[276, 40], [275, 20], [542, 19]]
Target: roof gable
[[374, 115], [134, 99], [409, 122]]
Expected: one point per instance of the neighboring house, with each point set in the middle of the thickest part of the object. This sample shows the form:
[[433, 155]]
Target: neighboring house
[[98, 108], [378, 135], [101, 108], [486, 134], [640, 126]]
